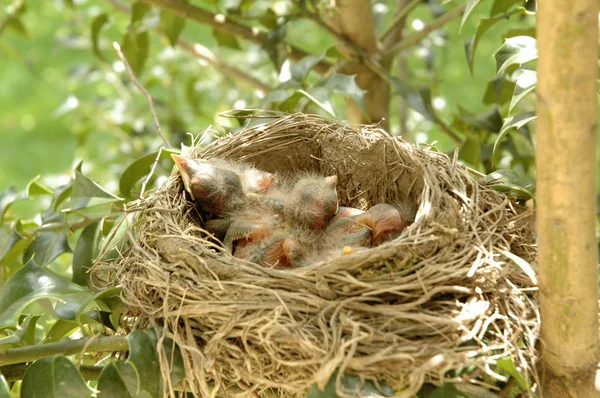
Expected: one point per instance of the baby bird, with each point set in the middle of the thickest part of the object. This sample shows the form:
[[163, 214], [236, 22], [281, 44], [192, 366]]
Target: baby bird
[[217, 190], [254, 181], [385, 221], [312, 202], [282, 251], [344, 212]]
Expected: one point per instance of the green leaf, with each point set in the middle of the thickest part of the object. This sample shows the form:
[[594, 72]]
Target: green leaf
[[470, 150], [320, 97], [139, 169], [509, 367], [351, 385], [16, 24], [172, 24], [417, 99], [346, 85], [175, 360], [138, 10], [524, 84], [118, 380], [445, 391], [516, 191], [499, 91], [135, 48], [28, 284], [515, 50], [504, 6], [276, 47], [69, 306], [471, 4], [29, 326], [471, 44], [276, 96], [97, 24], [144, 357], [46, 246], [226, 40], [8, 240], [503, 176], [7, 198], [86, 250], [56, 377], [87, 193], [301, 68], [60, 329], [4, 389], [513, 122], [36, 188]]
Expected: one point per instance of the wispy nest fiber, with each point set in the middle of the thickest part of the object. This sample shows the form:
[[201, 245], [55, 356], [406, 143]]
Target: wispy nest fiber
[[451, 293]]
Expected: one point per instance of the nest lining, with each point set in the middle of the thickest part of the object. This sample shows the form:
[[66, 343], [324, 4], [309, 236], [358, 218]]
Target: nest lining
[[445, 296]]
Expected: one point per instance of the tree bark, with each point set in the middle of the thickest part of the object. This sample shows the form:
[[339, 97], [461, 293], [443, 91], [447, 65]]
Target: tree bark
[[566, 195], [354, 20]]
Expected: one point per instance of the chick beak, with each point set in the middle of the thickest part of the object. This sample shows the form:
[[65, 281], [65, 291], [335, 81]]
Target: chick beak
[[186, 170]]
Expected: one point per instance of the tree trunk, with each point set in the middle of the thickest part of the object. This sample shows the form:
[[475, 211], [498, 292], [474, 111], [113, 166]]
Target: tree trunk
[[566, 196], [354, 20]]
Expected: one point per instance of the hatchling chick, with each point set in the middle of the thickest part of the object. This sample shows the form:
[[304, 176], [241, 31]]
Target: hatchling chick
[[344, 212], [217, 190], [281, 251], [312, 202], [385, 221], [254, 181], [250, 226]]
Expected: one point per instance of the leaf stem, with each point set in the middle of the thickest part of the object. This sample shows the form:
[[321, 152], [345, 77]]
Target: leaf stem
[[68, 347]]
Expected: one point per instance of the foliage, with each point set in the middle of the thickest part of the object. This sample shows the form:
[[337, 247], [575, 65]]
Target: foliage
[[54, 229]]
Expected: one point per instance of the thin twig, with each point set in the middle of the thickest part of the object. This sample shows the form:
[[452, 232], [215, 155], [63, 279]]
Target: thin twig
[[204, 53], [221, 23], [151, 172], [68, 347], [142, 89], [398, 20], [420, 35]]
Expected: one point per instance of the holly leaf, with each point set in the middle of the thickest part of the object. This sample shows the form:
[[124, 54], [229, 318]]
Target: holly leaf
[[52, 377], [471, 44], [346, 85], [86, 250], [301, 68], [509, 367], [135, 48], [87, 193], [4, 389], [46, 246], [172, 24], [515, 51], [513, 122], [139, 169], [7, 198], [118, 380], [97, 24], [320, 97], [144, 357], [498, 91], [524, 84], [276, 46], [471, 4], [501, 7], [60, 329], [31, 283], [36, 188], [226, 40], [8, 239]]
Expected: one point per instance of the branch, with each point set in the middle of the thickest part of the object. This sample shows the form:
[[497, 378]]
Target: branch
[[142, 89], [204, 53], [17, 371], [220, 23], [225, 67], [420, 35], [398, 22], [68, 347]]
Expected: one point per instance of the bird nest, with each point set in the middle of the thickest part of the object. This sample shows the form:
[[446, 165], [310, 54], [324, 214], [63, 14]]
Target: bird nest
[[441, 303]]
